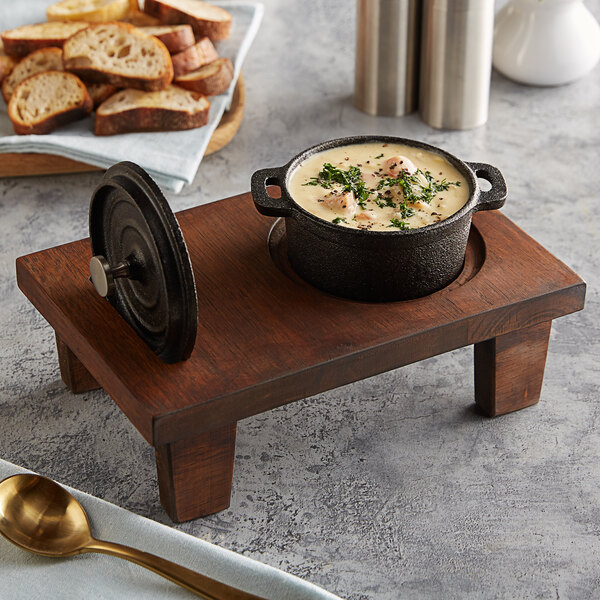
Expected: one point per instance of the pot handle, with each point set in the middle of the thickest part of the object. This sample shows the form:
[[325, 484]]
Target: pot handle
[[496, 195], [271, 207]]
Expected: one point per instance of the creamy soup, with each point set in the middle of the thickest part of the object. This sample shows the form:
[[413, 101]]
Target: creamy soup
[[379, 186]]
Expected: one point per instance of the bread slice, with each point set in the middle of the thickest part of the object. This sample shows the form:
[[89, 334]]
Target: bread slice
[[210, 80], [93, 11], [47, 100], [44, 59], [141, 19], [7, 63], [206, 19], [119, 54], [100, 92], [133, 110], [175, 37], [194, 57], [24, 40]]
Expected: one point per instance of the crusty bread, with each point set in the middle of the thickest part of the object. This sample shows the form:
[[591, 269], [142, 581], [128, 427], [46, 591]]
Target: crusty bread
[[119, 54], [210, 80], [24, 40], [133, 110], [194, 57], [47, 100], [44, 59], [7, 63], [94, 11], [175, 37], [141, 19], [206, 19], [100, 92]]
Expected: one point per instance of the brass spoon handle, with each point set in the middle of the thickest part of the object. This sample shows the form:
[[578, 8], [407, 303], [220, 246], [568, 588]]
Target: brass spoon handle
[[203, 586]]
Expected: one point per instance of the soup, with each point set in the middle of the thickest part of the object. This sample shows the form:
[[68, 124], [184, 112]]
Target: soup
[[379, 186]]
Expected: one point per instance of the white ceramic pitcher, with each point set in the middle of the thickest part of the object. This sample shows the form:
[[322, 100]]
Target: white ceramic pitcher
[[545, 42]]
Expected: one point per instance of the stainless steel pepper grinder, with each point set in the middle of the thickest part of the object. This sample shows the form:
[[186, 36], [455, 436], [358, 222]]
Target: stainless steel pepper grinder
[[456, 62], [387, 56]]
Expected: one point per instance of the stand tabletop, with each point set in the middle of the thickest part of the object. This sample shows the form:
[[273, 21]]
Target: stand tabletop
[[266, 338]]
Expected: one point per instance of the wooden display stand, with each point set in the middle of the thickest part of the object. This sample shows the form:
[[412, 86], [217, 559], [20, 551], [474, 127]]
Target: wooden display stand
[[266, 338]]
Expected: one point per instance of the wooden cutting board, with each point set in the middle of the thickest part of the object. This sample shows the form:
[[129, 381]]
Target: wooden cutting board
[[18, 165]]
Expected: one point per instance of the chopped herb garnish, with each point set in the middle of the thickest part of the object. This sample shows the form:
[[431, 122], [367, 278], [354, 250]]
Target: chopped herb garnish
[[380, 156], [416, 187], [350, 179], [399, 224]]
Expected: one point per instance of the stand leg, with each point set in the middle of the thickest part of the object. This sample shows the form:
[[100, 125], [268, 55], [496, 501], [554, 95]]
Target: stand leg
[[509, 370], [75, 376], [195, 474]]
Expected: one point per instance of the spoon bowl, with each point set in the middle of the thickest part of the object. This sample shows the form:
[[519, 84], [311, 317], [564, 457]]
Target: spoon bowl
[[40, 516]]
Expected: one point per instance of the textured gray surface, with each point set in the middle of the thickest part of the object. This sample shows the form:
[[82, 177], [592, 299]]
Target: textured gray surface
[[393, 487]]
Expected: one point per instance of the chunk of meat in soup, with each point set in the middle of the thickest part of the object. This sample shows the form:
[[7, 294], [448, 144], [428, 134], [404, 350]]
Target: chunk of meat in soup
[[396, 164], [366, 216], [343, 203]]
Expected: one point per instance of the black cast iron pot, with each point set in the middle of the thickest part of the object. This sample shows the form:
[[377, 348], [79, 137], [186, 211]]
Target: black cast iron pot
[[376, 266]]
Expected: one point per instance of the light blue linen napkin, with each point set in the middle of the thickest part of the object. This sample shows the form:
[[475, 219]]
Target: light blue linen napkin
[[172, 158], [26, 576]]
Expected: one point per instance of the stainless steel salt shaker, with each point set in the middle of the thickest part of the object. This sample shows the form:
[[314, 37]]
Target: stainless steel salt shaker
[[387, 56], [456, 62]]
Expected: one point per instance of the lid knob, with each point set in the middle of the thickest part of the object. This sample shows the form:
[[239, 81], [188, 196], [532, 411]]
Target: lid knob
[[103, 275]]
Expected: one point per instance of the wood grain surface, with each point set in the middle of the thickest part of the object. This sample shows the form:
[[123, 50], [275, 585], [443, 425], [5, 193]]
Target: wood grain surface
[[24, 164], [264, 339], [195, 474]]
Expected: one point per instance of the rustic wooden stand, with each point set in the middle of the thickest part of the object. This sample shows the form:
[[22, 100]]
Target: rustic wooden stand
[[266, 338]]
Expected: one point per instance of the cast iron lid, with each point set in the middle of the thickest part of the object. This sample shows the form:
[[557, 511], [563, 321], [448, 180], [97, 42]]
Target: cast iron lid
[[140, 261]]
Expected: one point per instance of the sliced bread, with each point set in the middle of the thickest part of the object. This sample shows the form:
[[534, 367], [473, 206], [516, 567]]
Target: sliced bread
[[7, 63], [206, 19], [119, 54], [44, 59], [94, 11], [134, 110], [194, 57], [141, 19], [100, 92], [175, 37], [210, 80], [47, 100], [24, 40]]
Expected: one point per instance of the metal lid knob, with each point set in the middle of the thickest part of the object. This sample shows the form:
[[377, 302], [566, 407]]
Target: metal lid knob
[[103, 275]]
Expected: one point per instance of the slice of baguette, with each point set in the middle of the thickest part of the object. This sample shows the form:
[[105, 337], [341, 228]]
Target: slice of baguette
[[100, 92], [141, 19], [24, 40], [210, 80], [133, 110], [93, 11], [194, 57], [44, 59], [7, 63], [119, 54], [47, 100], [175, 37], [206, 19]]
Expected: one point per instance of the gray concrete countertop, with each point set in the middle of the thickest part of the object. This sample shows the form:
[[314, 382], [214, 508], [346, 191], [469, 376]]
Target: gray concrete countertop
[[393, 487]]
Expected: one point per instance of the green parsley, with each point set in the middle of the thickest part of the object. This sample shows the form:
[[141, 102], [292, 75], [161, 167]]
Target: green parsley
[[339, 220], [380, 156], [351, 181], [399, 224]]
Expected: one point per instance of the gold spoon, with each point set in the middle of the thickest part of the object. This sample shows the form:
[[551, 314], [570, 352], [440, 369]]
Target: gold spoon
[[40, 516]]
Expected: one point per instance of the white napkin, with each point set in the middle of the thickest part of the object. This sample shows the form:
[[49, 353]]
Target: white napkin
[[172, 158], [26, 576]]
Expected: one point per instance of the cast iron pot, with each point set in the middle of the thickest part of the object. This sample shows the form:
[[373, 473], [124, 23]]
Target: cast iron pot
[[376, 266]]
